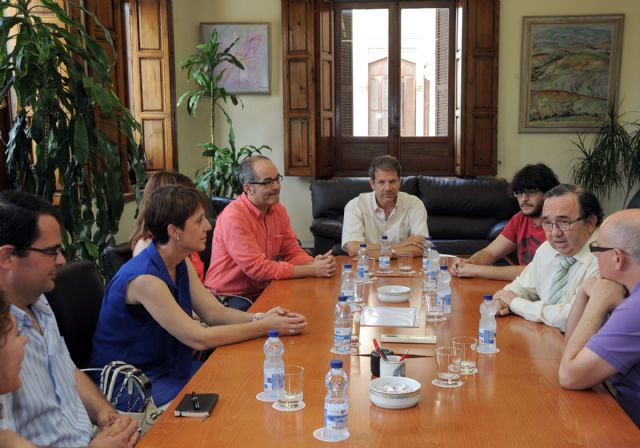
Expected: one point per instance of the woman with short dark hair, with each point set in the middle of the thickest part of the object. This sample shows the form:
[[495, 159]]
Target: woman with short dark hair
[[145, 318]]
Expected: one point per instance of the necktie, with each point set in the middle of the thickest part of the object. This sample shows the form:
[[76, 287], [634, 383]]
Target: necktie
[[560, 279]]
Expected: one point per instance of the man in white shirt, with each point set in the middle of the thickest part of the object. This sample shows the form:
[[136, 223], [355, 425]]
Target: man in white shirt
[[400, 216], [546, 289], [56, 403]]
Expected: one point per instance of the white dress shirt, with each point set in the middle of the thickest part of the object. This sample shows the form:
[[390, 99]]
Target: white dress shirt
[[364, 220], [533, 285]]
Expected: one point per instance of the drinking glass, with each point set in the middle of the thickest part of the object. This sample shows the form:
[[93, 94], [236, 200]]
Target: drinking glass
[[434, 309], [372, 267], [361, 291], [468, 347], [447, 358], [291, 395], [356, 312], [405, 263]]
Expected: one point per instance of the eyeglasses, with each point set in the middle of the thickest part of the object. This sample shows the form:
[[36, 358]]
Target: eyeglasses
[[562, 224], [268, 182], [595, 247], [51, 251], [528, 192]]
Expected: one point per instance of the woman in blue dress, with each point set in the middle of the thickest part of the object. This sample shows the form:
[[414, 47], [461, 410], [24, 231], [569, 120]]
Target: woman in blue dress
[[146, 316]]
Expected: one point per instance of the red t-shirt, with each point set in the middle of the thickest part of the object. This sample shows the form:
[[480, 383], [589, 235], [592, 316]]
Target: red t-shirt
[[521, 230]]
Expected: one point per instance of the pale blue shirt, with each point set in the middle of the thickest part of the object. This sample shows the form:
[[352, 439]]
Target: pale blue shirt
[[47, 409]]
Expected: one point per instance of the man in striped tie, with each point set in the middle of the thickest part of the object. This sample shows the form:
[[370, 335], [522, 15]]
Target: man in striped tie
[[546, 289]]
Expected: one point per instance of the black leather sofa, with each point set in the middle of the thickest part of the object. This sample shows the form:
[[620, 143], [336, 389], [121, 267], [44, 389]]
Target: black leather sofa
[[464, 215]]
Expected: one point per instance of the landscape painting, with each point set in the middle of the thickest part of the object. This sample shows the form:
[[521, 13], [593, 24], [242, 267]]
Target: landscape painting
[[570, 72]]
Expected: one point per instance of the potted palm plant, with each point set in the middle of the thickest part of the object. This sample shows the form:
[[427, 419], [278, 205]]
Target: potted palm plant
[[59, 79], [610, 160], [206, 68]]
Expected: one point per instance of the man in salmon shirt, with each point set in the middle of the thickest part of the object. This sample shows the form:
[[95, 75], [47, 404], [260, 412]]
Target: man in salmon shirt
[[253, 242], [523, 231]]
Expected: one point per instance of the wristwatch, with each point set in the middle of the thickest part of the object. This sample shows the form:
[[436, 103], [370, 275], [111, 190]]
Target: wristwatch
[[257, 316]]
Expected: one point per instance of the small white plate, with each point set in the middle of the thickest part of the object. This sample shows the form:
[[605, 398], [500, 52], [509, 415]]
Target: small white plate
[[394, 293]]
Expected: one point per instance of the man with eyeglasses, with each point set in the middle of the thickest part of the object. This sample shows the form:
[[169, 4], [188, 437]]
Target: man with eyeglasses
[[386, 210], [56, 403], [546, 288], [253, 242], [603, 330], [523, 232]]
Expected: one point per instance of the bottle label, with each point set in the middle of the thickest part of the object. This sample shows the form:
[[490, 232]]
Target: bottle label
[[336, 416], [447, 300], [342, 339], [273, 379], [385, 263], [432, 275], [363, 273], [439, 300], [347, 292], [487, 336], [425, 263]]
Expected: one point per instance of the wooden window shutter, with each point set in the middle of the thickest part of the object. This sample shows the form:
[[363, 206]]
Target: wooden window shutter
[[476, 139], [309, 112], [442, 71], [151, 80]]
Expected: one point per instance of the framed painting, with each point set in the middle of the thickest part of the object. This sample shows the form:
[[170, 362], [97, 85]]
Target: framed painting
[[570, 72], [251, 49]]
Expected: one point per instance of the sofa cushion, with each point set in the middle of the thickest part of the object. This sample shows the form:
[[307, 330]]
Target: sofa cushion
[[328, 197], [467, 197]]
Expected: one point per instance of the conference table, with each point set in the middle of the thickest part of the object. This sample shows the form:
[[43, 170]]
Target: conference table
[[515, 399]]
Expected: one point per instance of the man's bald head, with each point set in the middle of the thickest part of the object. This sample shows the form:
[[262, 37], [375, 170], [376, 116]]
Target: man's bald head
[[622, 230]]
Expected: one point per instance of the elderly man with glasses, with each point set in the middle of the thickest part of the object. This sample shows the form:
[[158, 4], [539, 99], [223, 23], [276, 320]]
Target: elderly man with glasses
[[603, 330], [546, 288], [253, 242], [523, 232]]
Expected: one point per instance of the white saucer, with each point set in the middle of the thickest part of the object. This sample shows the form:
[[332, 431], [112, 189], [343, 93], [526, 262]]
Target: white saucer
[[319, 434], [277, 407]]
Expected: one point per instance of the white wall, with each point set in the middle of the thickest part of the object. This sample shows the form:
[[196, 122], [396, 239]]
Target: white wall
[[261, 120]]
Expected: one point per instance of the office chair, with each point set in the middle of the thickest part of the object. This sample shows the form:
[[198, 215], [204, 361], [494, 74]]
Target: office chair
[[114, 257], [76, 302]]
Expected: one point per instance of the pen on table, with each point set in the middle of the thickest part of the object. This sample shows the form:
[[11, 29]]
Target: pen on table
[[195, 401]]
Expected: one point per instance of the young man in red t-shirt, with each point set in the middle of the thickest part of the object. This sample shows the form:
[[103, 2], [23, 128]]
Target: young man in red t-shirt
[[523, 231]]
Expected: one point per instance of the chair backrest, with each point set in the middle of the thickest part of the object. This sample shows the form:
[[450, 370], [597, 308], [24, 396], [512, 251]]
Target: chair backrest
[[76, 302], [114, 257], [635, 201]]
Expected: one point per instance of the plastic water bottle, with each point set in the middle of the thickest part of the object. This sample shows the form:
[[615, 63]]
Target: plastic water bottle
[[342, 327], [384, 257], [430, 282], [362, 275], [347, 286], [428, 244], [336, 403], [443, 293], [273, 366], [487, 339]]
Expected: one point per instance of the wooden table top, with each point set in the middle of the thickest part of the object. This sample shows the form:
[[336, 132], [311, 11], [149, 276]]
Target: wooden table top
[[514, 401]]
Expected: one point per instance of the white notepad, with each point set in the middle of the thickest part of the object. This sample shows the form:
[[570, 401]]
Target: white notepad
[[389, 316]]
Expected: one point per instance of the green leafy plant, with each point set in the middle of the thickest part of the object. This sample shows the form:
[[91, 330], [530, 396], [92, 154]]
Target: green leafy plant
[[610, 160], [60, 79], [206, 68]]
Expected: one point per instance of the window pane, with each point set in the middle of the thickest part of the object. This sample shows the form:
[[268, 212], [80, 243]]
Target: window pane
[[364, 45], [424, 72]]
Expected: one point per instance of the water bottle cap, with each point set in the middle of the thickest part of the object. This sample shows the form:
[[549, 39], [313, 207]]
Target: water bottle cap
[[336, 364], [347, 266], [363, 245], [487, 297], [384, 237], [342, 298], [273, 333], [443, 267]]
